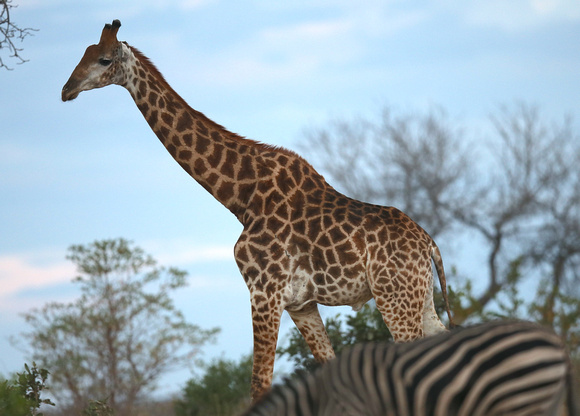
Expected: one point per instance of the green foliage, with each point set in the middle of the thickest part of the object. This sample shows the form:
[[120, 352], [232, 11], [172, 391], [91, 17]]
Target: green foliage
[[507, 303], [366, 325], [123, 332], [299, 352], [98, 408], [12, 402], [21, 397], [30, 383], [561, 311], [223, 390]]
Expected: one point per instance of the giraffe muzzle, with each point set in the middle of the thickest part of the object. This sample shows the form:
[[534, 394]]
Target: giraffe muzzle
[[69, 91]]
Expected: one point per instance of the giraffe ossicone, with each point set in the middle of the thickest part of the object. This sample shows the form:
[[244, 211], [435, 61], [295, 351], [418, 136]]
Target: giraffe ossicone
[[303, 243]]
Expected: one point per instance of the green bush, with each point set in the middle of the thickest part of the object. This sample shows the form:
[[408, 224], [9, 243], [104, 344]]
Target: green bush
[[21, 395]]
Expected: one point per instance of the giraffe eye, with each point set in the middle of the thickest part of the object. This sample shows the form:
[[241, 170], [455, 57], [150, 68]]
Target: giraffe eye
[[105, 61]]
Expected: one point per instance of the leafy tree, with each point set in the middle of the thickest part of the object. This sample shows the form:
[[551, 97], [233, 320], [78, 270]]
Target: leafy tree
[[9, 32], [121, 334], [223, 390]]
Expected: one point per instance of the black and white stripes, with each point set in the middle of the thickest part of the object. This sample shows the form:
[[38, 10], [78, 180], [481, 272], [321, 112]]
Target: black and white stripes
[[499, 368]]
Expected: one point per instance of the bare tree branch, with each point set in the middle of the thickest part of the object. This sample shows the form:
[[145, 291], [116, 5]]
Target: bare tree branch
[[417, 163], [9, 33]]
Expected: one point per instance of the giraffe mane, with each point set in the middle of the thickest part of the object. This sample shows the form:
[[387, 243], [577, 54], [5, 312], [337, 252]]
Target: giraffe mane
[[253, 143]]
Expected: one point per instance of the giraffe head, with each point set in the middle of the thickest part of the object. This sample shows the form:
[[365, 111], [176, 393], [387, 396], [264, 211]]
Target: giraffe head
[[100, 65]]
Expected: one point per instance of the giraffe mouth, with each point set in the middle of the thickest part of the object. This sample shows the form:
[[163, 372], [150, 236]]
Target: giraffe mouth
[[69, 91], [69, 95]]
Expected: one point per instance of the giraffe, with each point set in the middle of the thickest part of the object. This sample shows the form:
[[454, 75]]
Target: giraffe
[[303, 243]]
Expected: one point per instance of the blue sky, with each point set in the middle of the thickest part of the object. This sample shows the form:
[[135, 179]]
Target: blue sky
[[71, 173]]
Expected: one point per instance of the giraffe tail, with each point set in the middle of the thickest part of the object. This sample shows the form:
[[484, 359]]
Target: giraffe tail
[[438, 261]]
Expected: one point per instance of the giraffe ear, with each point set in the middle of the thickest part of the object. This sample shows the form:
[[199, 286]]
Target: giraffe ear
[[109, 34]]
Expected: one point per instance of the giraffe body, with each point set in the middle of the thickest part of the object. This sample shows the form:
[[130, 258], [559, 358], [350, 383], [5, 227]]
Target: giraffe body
[[303, 243]]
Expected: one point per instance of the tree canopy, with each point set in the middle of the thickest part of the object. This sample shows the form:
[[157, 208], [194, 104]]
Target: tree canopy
[[121, 334]]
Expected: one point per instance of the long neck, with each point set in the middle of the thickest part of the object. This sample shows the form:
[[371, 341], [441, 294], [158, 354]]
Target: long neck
[[222, 162]]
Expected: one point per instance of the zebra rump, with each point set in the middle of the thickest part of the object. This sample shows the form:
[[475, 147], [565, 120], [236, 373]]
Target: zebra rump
[[497, 368]]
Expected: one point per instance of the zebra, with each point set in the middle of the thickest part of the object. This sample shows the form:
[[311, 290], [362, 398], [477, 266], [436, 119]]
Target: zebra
[[497, 368]]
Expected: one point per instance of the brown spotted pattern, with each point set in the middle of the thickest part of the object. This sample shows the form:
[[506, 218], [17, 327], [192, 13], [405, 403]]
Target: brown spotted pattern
[[303, 243]]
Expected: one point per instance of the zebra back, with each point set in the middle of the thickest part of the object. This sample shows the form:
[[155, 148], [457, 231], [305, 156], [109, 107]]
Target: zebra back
[[498, 368]]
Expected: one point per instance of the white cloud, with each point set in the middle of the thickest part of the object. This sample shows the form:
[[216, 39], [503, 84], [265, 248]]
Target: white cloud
[[516, 15], [43, 269], [33, 270]]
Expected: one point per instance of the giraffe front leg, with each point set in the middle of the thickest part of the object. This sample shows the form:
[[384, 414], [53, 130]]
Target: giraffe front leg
[[266, 324], [310, 325]]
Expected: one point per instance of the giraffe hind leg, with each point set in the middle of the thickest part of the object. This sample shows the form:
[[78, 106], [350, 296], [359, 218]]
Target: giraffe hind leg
[[402, 309], [310, 325]]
